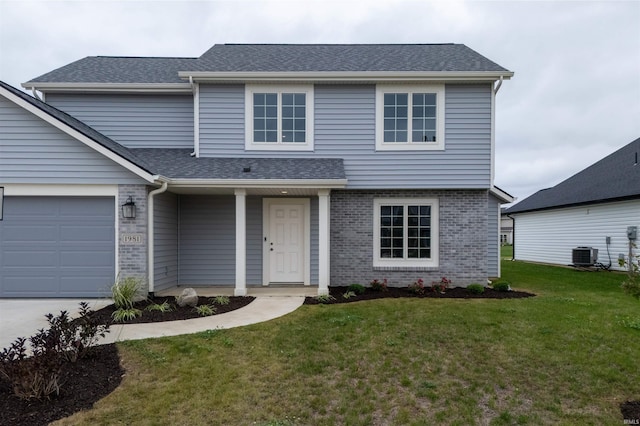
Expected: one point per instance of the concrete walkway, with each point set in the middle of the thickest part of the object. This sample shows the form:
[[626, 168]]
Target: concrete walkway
[[260, 310], [23, 317]]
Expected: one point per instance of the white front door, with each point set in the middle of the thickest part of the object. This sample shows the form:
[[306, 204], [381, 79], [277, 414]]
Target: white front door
[[286, 242]]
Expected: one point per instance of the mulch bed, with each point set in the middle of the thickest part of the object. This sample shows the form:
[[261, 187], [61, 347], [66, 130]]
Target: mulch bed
[[94, 377], [103, 316], [397, 292], [85, 382]]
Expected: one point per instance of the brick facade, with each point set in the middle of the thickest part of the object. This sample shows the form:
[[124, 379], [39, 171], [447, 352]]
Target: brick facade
[[463, 238], [132, 256]]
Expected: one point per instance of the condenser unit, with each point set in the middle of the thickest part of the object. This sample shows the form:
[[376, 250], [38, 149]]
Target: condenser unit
[[584, 256]]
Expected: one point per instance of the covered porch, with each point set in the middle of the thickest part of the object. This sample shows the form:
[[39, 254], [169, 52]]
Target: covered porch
[[257, 235]]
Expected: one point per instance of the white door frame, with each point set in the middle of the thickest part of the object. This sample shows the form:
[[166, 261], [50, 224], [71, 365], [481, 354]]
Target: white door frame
[[266, 224]]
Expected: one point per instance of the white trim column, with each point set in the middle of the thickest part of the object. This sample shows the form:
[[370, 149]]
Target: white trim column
[[241, 242], [324, 241]]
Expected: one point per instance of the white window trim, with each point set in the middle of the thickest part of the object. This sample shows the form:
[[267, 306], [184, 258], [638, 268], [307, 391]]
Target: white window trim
[[439, 91], [435, 233], [250, 89]]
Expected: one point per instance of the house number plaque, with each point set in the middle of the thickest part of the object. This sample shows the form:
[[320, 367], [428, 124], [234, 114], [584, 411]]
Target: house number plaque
[[131, 238]]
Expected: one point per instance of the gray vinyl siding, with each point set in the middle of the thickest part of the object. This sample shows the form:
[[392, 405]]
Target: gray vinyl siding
[[166, 240], [493, 239], [134, 120], [207, 240], [34, 151], [344, 127]]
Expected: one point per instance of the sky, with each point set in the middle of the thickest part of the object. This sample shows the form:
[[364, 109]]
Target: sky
[[574, 99]]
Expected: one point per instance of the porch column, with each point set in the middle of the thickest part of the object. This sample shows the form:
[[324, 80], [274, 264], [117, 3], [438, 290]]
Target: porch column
[[241, 242], [324, 250]]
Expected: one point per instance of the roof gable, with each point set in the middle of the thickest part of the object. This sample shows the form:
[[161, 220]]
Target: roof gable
[[616, 176], [78, 130]]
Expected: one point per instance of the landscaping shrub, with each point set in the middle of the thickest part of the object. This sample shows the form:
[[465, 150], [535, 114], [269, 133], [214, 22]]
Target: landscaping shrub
[[349, 294], [476, 288], [417, 287], [125, 293], [221, 300], [356, 288], [39, 374], [377, 285], [440, 286], [325, 298], [159, 307], [502, 286], [205, 310]]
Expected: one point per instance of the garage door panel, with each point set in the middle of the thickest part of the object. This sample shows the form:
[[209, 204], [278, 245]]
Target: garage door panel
[[57, 246]]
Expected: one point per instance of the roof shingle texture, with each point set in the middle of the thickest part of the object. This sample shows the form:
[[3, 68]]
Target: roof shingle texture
[[275, 58], [617, 176], [178, 164]]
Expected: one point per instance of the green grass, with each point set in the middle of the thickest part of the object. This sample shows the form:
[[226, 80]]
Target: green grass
[[567, 356], [506, 252]]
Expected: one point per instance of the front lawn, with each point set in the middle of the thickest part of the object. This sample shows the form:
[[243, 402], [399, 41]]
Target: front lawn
[[566, 356]]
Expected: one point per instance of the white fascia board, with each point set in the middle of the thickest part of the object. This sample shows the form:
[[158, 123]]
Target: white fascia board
[[110, 87], [261, 183], [59, 190], [330, 76], [77, 135], [501, 195]]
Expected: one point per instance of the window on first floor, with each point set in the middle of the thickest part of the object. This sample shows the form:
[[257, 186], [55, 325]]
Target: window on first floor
[[279, 117], [406, 232]]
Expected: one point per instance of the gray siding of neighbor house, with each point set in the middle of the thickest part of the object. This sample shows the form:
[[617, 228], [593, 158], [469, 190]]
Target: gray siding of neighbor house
[[462, 230], [493, 239], [34, 151], [166, 240], [135, 121], [344, 127]]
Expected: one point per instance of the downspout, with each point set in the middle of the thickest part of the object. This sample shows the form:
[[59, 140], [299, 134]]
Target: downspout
[[513, 238], [35, 94], [495, 89], [196, 117], [150, 233]]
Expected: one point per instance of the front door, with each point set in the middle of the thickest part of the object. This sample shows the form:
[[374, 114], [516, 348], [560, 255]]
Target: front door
[[286, 242]]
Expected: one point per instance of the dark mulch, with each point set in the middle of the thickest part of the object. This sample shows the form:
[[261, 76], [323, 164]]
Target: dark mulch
[[103, 316], [85, 382], [397, 292], [631, 412]]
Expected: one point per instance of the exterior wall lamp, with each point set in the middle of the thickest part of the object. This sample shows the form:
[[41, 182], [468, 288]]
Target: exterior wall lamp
[[129, 209]]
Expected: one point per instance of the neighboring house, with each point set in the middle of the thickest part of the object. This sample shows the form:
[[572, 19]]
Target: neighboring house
[[506, 228], [590, 208], [252, 165]]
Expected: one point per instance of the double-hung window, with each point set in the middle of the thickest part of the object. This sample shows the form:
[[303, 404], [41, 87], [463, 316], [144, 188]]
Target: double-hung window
[[410, 117], [405, 232], [279, 117]]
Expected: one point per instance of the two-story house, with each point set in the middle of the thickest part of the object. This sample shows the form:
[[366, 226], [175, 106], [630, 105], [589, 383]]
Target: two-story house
[[252, 165]]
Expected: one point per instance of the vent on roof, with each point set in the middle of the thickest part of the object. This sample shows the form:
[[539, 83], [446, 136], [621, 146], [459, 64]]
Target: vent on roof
[[584, 256]]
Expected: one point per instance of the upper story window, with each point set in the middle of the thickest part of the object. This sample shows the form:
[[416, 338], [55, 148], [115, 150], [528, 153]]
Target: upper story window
[[279, 117], [410, 117]]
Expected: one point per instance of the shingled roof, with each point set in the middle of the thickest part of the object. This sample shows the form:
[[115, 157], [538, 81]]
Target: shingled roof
[[275, 58], [615, 177], [179, 164]]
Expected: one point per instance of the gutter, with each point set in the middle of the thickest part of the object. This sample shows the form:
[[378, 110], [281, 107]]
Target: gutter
[[150, 232]]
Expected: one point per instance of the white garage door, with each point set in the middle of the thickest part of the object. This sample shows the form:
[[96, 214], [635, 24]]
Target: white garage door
[[57, 246]]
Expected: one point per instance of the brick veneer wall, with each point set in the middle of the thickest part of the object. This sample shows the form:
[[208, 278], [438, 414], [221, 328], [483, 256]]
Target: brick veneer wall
[[132, 257], [463, 238]]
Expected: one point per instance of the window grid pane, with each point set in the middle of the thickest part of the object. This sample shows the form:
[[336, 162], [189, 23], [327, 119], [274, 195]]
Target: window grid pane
[[392, 232], [294, 117], [396, 117], [265, 117], [405, 232], [424, 117]]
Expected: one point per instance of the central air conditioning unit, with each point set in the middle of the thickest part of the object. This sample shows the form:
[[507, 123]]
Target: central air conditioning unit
[[584, 256]]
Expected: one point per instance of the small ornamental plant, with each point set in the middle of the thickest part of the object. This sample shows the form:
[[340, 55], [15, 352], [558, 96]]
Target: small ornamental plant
[[502, 286], [476, 288], [440, 286], [377, 285], [417, 287], [356, 288]]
